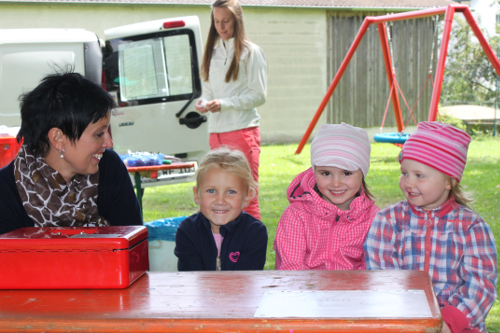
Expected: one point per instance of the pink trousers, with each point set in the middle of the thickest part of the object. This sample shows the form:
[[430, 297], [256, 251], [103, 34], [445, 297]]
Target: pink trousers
[[248, 141]]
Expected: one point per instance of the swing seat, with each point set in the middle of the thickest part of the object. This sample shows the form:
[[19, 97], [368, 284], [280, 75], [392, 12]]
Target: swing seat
[[391, 137]]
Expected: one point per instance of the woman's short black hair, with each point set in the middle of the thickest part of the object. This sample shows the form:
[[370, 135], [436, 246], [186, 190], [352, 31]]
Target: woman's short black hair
[[67, 101]]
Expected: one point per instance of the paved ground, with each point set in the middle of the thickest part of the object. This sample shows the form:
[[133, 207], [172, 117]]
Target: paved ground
[[468, 113], [471, 112]]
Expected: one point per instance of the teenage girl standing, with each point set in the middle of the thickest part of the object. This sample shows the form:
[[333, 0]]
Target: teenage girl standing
[[234, 74]]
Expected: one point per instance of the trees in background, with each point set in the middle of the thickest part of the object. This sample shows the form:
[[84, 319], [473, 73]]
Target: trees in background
[[469, 77]]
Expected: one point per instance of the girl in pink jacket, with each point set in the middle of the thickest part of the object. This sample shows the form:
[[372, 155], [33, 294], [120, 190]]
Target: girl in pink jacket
[[331, 209]]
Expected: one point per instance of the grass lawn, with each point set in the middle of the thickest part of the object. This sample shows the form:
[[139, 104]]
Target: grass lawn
[[279, 165]]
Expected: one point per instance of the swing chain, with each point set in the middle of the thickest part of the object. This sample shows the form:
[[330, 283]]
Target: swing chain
[[389, 29], [395, 86], [434, 41]]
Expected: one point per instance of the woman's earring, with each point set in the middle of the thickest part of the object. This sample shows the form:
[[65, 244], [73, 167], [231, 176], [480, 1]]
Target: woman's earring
[[62, 153], [197, 202]]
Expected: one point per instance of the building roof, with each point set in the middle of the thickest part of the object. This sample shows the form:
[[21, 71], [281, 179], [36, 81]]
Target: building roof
[[377, 5]]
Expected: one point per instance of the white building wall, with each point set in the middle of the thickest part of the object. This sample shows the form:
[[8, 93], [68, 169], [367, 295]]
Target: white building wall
[[293, 39]]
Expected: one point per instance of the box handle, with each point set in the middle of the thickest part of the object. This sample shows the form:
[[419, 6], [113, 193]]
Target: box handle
[[81, 231]]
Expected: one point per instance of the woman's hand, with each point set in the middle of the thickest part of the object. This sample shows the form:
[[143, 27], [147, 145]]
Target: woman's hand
[[445, 329], [200, 107], [213, 105]]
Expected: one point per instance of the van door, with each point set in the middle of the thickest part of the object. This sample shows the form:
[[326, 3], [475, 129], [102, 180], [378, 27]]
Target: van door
[[152, 70]]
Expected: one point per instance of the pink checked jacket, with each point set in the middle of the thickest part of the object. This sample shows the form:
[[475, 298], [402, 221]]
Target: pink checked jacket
[[314, 234]]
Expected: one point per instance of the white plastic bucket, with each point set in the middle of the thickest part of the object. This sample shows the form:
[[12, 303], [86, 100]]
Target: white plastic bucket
[[161, 256], [162, 244]]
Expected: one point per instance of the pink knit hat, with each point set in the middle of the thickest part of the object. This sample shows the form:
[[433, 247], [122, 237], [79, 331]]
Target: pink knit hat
[[439, 146], [342, 146]]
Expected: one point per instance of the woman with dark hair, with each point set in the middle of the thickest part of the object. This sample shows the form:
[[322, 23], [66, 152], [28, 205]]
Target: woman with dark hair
[[234, 73], [65, 174]]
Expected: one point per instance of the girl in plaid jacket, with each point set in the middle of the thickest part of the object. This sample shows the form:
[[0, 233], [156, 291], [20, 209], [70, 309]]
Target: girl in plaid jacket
[[435, 231], [331, 209]]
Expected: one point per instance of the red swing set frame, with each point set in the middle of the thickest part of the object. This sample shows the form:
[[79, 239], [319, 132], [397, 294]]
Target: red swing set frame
[[380, 21]]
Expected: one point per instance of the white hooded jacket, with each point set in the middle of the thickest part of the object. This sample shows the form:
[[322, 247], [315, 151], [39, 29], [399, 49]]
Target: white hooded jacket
[[239, 99]]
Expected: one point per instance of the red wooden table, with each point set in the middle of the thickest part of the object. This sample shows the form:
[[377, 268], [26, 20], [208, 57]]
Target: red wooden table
[[212, 302], [152, 170]]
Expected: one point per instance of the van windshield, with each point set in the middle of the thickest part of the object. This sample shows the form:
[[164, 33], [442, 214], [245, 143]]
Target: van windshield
[[151, 68]]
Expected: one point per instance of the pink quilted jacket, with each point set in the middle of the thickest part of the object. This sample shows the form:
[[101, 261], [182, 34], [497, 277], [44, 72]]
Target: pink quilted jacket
[[314, 234]]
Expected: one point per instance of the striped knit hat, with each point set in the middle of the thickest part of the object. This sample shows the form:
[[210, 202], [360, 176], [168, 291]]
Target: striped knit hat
[[342, 146], [439, 146]]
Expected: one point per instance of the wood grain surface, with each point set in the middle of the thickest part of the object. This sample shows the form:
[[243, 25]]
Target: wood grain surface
[[207, 302]]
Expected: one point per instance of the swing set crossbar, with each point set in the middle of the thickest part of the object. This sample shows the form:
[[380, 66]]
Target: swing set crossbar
[[448, 12]]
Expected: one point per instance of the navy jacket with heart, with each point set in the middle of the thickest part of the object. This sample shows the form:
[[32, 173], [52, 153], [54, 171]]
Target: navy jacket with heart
[[243, 247]]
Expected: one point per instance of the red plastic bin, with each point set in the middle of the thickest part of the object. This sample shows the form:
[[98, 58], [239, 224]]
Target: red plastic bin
[[8, 149]]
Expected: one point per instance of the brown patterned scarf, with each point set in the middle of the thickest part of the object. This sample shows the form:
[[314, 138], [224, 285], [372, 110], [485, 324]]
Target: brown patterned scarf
[[49, 201]]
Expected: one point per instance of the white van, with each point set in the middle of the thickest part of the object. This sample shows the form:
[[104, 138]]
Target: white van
[[151, 69], [27, 55]]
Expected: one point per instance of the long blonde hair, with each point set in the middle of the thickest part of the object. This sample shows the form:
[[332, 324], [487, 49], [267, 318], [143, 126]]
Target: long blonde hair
[[240, 40], [462, 197], [233, 161]]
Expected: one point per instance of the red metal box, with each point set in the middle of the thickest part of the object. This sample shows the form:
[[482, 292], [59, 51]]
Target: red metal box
[[73, 258]]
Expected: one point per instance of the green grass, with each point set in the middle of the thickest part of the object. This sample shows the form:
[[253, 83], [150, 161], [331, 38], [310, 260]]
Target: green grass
[[279, 165]]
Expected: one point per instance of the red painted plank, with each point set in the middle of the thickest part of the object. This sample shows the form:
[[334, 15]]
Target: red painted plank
[[206, 302]]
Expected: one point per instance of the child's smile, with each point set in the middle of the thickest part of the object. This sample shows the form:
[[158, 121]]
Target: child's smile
[[337, 193]]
